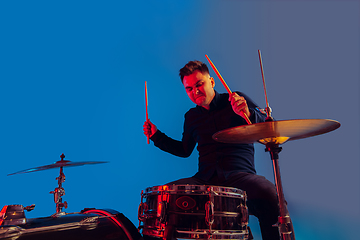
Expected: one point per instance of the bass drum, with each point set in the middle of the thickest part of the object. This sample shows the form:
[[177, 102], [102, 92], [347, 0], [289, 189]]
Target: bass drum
[[89, 224], [124, 228], [193, 212]]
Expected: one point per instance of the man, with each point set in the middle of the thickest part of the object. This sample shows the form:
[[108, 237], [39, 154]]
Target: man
[[221, 164]]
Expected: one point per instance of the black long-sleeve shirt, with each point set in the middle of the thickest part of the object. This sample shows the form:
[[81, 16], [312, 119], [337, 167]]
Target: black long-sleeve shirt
[[214, 157]]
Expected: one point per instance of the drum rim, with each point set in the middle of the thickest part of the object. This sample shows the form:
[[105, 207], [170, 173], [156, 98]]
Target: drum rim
[[175, 188], [199, 233]]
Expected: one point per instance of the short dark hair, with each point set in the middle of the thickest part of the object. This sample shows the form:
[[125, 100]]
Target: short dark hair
[[191, 67]]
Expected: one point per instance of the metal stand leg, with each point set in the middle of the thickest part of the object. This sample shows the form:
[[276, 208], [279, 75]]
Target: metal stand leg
[[284, 224]]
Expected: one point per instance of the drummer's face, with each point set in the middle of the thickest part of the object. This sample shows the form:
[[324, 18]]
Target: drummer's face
[[200, 88]]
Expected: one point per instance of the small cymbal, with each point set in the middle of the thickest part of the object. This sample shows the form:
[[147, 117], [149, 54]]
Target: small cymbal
[[62, 163], [277, 132]]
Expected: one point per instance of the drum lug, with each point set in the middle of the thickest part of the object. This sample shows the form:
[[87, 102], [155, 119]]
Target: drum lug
[[209, 213], [243, 218], [141, 211], [161, 211], [143, 207]]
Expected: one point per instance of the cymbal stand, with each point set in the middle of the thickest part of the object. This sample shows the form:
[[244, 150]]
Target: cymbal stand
[[284, 221], [60, 191]]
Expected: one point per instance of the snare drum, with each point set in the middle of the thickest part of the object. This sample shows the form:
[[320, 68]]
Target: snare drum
[[193, 212]]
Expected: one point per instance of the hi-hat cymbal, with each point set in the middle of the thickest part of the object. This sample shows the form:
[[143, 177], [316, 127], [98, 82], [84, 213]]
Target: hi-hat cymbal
[[62, 163], [277, 132]]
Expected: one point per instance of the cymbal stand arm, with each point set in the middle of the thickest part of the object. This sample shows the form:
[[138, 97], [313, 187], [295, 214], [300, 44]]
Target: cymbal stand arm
[[284, 224]]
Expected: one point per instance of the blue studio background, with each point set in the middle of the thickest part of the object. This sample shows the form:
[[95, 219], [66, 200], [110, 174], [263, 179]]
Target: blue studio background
[[72, 79]]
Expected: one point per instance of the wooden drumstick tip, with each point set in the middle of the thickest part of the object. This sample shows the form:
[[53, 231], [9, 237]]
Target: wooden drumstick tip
[[218, 74]]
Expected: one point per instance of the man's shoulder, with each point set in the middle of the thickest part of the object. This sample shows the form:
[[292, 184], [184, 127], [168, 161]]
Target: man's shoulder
[[192, 110]]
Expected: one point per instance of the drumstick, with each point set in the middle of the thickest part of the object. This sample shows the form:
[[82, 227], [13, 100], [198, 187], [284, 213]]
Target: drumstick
[[268, 109], [243, 114], [218, 74], [147, 114]]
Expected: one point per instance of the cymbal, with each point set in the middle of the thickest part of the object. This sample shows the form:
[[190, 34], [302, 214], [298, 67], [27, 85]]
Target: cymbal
[[277, 132], [62, 163]]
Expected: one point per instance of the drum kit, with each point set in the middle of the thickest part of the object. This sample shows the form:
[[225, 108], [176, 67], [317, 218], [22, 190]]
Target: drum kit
[[170, 211]]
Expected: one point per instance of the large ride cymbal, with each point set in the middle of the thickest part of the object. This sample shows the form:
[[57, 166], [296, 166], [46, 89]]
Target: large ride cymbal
[[277, 132], [62, 163]]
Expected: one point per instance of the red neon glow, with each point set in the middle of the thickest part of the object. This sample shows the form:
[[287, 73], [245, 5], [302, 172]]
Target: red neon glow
[[111, 217], [2, 214]]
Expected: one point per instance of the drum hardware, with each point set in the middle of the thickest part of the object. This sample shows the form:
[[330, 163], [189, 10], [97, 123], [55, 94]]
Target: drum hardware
[[244, 214], [162, 207], [209, 211], [29, 208], [161, 211], [209, 216], [59, 191], [142, 209]]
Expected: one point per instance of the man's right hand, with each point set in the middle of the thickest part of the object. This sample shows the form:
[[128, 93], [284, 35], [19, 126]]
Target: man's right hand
[[149, 128]]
